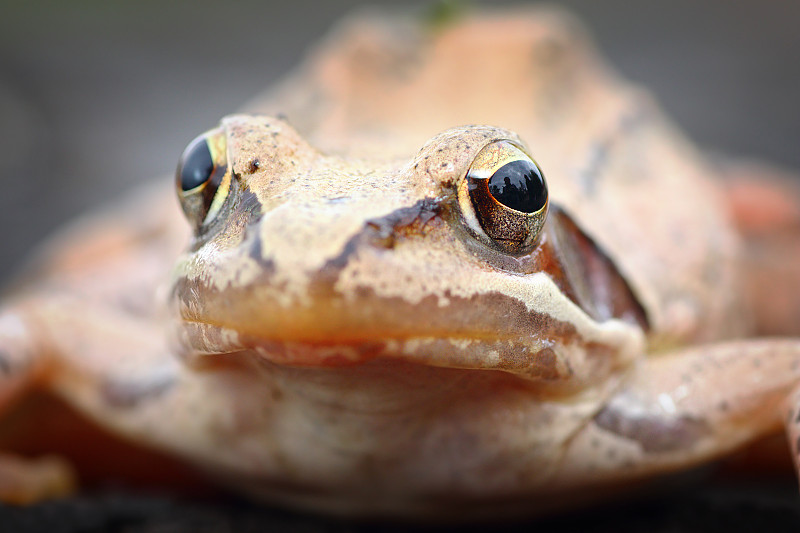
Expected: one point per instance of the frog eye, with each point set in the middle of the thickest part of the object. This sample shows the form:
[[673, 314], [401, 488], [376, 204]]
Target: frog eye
[[203, 177], [504, 198]]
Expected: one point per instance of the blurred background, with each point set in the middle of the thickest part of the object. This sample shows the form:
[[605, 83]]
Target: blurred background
[[96, 96]]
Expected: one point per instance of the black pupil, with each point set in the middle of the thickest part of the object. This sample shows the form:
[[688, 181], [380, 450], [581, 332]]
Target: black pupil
[[196, 166], [519, 185]]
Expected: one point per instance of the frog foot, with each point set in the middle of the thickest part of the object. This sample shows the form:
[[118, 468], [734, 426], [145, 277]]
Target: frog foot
[[687, 407], [24, 480]]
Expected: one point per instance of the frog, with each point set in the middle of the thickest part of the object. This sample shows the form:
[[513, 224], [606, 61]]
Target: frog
[[361, 295]]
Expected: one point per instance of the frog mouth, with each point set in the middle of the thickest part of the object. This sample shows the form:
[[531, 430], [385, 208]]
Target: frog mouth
[[520, 341], [323, 347], [574, 298]]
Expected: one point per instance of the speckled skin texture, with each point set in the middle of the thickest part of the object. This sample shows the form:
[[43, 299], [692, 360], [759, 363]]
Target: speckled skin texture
[[361, 426]]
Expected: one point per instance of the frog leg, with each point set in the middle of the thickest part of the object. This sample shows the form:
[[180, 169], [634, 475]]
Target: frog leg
[[86, 326], [765, 206], [680, 409], [107, 363], [22, 368]]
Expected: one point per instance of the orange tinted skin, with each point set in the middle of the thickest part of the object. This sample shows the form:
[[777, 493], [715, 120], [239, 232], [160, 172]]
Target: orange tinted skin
[[339, 329]]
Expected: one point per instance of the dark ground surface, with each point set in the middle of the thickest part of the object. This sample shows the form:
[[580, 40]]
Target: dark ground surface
[[698, 510], [96, 96]]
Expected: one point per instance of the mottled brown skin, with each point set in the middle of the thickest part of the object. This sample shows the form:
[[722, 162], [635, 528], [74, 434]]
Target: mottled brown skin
[[342, 335]]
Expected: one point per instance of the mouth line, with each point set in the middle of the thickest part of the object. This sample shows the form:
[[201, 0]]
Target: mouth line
[[475, 350], [323, 339]]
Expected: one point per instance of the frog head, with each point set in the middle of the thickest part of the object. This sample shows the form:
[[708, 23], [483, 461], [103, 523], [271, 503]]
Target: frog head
[[454, 257]]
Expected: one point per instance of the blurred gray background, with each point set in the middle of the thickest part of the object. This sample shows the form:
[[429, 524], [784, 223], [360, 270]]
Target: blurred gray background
[[96, 96]]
